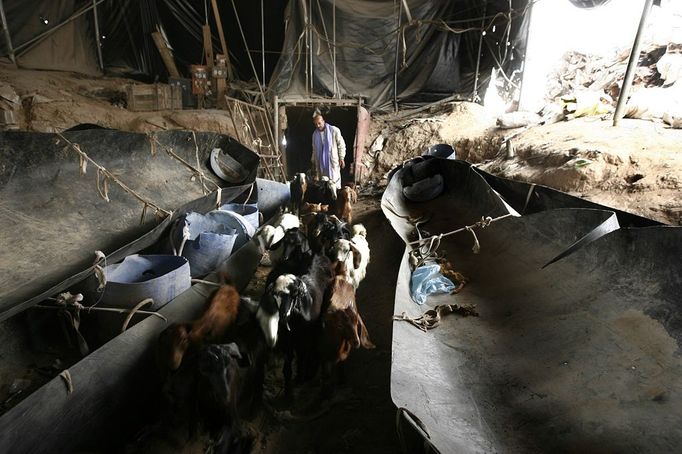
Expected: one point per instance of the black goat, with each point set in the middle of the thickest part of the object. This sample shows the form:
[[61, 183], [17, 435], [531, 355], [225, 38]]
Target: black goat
[[297, 188], [323, 191], [292, 255]]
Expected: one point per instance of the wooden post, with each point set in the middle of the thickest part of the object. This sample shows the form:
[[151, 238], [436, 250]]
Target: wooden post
[[223, 43], [208, 46], [166, 55]]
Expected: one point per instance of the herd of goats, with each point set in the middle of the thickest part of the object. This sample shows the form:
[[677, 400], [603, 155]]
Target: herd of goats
[[213, 368]]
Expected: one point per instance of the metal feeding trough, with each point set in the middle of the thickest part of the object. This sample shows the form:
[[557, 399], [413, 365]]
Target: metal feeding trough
[[227, 168], [159, 277]]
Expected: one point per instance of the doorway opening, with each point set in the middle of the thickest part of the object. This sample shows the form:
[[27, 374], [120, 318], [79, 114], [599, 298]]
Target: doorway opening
[[299, 132]]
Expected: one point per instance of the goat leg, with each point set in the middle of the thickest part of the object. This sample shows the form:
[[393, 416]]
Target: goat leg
[[327, 380], [288, 360]]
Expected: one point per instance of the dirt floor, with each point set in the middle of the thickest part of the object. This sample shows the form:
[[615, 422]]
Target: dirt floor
[[636, 167], [360, 417]]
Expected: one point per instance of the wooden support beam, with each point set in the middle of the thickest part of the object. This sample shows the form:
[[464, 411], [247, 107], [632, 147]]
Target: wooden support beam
[[166, 54], [223, 43], [208, 47]]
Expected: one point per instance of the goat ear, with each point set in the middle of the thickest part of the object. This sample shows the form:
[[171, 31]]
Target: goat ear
[[364, 335], [353, 195], [276, 245], [357, 256], [305, 246]]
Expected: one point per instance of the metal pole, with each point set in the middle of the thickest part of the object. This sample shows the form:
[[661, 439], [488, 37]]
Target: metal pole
[[632, 65], [262, 37], [246, 46], [397, 50], [99, 44], [8, 38], [275, 101], [474, 95], [525, 54], [326, 38], [305, 24], [312, 83], [336, 83]]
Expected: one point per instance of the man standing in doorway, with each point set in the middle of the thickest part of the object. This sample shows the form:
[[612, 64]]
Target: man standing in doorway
[[329, 150]]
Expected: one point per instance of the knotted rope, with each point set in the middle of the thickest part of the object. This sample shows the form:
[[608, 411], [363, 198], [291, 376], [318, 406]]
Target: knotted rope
[[432, 317], [485, 221], [103, 176], [196, 171]]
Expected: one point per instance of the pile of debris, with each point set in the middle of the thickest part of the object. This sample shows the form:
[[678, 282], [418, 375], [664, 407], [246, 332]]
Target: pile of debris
[[580, 72], [656, 88]]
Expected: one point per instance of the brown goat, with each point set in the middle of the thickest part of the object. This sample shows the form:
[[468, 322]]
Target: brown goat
[[172, 344], [308, 208], [343, 328], [220, 314], [343, 207]]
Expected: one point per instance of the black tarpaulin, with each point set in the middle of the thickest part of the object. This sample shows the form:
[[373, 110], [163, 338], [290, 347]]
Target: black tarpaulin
[[435, 43]]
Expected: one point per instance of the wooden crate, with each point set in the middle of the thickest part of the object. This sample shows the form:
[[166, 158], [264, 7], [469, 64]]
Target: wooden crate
[[143, 98]]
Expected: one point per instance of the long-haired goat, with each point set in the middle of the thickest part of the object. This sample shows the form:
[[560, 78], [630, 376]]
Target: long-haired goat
[[354, 254], [342, 326], [324, 230], [219, 315]]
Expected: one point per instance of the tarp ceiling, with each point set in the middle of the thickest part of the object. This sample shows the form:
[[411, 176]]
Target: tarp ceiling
[[436, 50], [435, 43]]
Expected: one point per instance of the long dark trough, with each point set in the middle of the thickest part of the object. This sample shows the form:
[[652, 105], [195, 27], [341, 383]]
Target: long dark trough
[[55, 216], [581, 355]]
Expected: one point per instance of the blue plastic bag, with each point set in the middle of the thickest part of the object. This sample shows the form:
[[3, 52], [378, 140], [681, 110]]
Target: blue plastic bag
[[427, 280]]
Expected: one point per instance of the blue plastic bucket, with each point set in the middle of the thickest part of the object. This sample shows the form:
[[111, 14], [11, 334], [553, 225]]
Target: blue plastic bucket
[[249, 211], [160, 277], [210, 242], [244, 230]]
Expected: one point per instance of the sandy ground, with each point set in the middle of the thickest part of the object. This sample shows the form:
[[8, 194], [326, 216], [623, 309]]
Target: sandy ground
[[636, 167]]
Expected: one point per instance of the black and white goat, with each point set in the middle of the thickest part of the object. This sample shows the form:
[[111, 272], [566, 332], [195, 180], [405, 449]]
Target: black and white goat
[[324, 230], [289, 316], [292, 254]]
